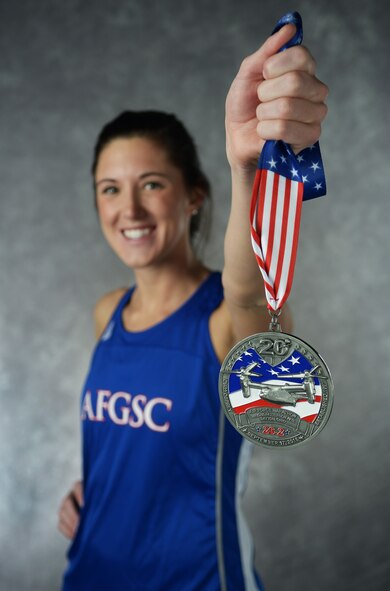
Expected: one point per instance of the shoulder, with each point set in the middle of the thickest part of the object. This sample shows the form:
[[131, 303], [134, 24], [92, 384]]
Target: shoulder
[[104, 309]]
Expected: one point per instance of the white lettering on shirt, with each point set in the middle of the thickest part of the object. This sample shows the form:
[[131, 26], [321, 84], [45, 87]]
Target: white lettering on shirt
[[124, 409]]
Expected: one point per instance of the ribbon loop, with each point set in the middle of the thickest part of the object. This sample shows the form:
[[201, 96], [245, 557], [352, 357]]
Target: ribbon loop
[[283, 179], [295, 19]]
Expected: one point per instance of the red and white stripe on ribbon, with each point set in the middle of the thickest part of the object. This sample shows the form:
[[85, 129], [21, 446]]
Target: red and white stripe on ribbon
[[275, 219]]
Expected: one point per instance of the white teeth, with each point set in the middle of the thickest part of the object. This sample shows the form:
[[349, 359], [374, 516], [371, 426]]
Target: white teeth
[[137, 233]]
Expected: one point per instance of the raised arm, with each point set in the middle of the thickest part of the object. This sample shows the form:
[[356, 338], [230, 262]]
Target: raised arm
[[274, 96]]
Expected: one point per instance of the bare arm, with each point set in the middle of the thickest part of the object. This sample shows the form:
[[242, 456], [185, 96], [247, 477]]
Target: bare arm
[[69, 510], [274, 96]]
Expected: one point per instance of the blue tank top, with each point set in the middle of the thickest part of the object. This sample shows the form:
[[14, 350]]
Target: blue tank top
[[160, 462]]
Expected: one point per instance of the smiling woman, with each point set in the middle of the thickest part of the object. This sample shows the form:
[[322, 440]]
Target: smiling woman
[[144, 205], [166, 131], [158, 505]]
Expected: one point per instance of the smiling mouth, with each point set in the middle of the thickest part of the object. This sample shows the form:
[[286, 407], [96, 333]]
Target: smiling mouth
[[137, 233]]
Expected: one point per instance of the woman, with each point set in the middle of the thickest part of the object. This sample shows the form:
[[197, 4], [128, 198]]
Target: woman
[[157, 506]]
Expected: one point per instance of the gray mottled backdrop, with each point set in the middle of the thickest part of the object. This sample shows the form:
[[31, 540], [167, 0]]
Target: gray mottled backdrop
[[320, 513]]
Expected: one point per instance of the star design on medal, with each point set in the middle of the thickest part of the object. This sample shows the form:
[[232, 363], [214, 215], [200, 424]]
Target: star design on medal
[[294, 360]]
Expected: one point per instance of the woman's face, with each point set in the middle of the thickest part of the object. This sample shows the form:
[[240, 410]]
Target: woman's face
[[143, 203]]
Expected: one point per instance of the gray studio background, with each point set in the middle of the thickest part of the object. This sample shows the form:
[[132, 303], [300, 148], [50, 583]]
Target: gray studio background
[[320, 513]]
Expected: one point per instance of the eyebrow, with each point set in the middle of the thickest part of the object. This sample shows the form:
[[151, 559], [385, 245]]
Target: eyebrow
[[143, 176]]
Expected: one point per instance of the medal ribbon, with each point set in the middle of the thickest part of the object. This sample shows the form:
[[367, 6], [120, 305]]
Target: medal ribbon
[[283, 180]]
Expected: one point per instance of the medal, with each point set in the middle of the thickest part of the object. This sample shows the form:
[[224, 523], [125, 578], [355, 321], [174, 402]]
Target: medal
[[275, 389]]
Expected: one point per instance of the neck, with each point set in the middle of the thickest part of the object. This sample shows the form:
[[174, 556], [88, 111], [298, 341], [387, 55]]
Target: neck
[[166, 287]]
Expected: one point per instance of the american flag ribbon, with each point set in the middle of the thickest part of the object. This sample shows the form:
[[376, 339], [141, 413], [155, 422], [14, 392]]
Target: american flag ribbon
[[283, 180]]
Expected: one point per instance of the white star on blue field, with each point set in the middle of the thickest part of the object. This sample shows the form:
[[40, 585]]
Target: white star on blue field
[[294, 364], [305, 167]]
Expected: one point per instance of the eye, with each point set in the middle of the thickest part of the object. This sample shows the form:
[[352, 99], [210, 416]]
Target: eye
[[110, 190], [153, 186]]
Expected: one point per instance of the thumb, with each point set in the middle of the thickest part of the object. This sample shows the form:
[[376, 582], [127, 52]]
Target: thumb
[[253, 64]]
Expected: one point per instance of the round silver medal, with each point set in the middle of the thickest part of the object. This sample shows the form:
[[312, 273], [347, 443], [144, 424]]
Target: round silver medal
[[275, 389]]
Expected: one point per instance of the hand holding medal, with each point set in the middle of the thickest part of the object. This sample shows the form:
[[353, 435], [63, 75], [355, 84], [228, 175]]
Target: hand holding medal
[[275, 389]]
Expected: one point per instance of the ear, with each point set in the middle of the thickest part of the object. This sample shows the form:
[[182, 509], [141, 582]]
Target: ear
[[197, 198]]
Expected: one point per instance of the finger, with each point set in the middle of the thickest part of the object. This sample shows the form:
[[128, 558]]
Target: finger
[[67, 526], [68, 516], [293, 109], [252, 66], [298, 135], [68, 513], [294, 58], [67, 530], [78, 493], [293, 84]]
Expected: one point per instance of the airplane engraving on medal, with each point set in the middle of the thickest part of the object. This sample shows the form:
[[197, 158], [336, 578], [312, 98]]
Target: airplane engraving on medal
[[285, 394]]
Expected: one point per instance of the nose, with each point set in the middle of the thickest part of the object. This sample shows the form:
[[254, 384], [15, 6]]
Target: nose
[[132, 206]]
